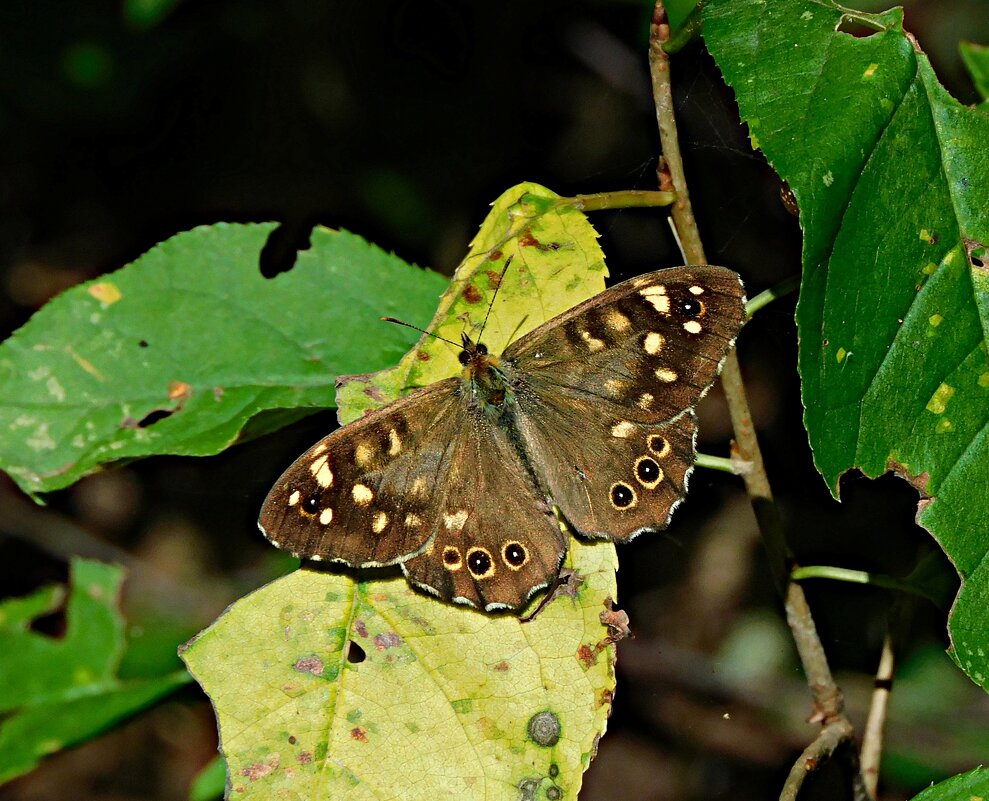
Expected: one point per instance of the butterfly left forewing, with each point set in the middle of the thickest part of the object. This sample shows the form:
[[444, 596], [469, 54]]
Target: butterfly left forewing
[[605, 394], [362, 495]]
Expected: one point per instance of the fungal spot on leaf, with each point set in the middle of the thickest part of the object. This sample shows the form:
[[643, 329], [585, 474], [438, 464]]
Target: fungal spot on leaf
[[304, 758], [586, 655], [361, 628], [355, 654], [357, 733], [106, 292], [501, 667], [554, 770], [310, 664], [472, 294], [527, 789], [544, 729], [142, 343], [554, 793], [388, 639], [258, 770], [292, 740]]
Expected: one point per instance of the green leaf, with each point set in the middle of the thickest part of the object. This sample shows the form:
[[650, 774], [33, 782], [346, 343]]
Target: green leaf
[[963, 787], [892, 178], [58, 692], [976, 58], [101, 374], [323, 684], [210, 782]]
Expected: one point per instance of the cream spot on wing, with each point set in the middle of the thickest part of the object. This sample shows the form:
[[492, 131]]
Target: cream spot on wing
[[319, 448], [394, 443], [379, 522], [314, 558], [654, 342], [692, 327], [617, 321], [455, 521], [622, 430], [326, 516], [363, 495], [615, 387], [420, 487], [412, 520], [666, 375], [363, 454], [696, 290], [592, 343], [645, 401], [656, 295], [317, 464], [293, 499], [324, 477]]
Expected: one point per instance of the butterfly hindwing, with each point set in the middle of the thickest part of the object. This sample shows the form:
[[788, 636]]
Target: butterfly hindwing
[[603, 386], [497, 541]]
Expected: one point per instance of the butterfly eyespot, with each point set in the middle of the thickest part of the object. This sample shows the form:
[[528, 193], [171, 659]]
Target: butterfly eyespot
[[514, 554], [310, 505], [691, 307], [659, 445], [452, 559], [648, 473], [479, 563], [622, 495]]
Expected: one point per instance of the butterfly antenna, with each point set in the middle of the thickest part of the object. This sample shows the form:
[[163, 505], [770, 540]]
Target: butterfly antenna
[[422, 331], [497, 287]]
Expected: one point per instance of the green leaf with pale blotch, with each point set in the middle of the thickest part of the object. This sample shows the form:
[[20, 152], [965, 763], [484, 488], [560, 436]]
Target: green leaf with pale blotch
[[555, 264], [58, 692], [180, 350], [329, 689], [892, 178], [325, 687], [971, 786]]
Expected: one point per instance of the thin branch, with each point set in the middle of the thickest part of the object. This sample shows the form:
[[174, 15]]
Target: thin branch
[[767, 296], [872, 737], [829, 707], [831, 738]]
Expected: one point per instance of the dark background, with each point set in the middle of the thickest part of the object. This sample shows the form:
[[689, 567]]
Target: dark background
[[401, 121]]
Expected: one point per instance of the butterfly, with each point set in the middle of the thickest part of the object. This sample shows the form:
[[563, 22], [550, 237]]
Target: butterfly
[[591, 413]]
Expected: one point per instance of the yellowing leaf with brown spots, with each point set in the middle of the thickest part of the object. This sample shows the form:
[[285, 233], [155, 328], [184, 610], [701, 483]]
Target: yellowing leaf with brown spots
[[325, 688]]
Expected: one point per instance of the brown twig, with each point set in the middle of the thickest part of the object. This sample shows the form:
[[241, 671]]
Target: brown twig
[[872, 737], [829, 709]]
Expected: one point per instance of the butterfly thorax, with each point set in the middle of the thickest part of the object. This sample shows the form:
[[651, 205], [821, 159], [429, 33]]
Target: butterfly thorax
[[485, 381]]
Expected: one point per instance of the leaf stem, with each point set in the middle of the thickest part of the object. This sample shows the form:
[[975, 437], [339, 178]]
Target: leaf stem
[[828, 702], [855, 577], [722, 463], [619, 199], [686, 33], [767, 296]]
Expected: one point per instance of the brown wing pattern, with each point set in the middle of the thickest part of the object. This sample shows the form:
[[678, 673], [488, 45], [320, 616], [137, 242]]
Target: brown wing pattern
[[605, 395]]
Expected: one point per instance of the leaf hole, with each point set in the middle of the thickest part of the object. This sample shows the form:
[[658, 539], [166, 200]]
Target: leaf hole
[[856, 27], [355, 654], [154, 416], [283, 246]]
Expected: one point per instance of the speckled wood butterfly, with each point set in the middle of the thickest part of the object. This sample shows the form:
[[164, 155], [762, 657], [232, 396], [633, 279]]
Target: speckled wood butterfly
[[591, 412]]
